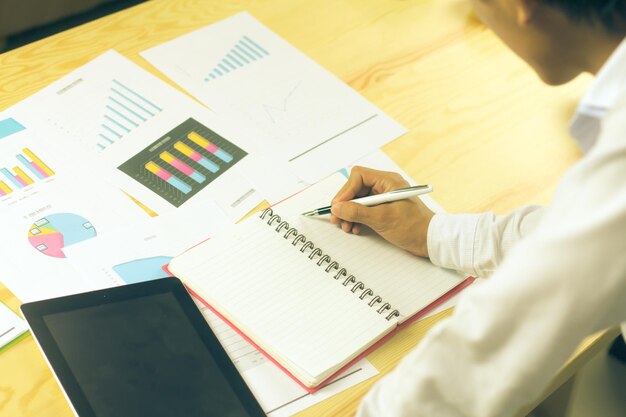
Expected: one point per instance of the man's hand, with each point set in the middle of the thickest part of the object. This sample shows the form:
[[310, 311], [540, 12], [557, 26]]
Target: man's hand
[[403, 223]]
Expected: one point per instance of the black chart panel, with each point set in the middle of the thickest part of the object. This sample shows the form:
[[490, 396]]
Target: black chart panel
[[184, 161]]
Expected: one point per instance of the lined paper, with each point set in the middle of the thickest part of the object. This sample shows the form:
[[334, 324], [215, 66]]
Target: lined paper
[[304, 317], [281, 299], [405, 281]]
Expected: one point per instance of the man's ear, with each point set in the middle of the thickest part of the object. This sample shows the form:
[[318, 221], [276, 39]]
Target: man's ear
[[525, 10]]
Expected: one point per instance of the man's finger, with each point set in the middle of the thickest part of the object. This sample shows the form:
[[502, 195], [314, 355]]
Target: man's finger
[[352, 212], [351, 188]]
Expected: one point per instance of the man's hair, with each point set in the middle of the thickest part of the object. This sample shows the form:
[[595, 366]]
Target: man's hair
[[611, 13]]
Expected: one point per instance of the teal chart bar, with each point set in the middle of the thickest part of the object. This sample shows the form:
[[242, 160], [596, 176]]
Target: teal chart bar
[[10, 126], [246, 51]]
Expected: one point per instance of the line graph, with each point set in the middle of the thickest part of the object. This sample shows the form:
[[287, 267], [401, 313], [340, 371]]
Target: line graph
[[273, 110]]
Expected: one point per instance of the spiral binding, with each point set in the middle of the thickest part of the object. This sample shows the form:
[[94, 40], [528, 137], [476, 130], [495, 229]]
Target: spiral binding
[[330, 266]]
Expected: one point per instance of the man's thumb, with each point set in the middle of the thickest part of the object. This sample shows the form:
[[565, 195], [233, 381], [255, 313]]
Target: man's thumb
[[352, 212]]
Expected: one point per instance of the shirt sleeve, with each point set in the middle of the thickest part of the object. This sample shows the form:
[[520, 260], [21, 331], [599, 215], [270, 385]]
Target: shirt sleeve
[[477, 243], [508, 336]]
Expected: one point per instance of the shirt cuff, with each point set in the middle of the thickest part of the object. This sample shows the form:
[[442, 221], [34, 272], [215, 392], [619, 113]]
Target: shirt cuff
[[452, 240]]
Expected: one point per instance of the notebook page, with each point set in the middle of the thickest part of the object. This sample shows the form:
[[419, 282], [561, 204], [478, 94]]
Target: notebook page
[[407, 282], [282, 300]]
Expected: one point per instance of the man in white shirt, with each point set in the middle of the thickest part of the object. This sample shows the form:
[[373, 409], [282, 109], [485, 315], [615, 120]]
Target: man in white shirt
[[557, 274]]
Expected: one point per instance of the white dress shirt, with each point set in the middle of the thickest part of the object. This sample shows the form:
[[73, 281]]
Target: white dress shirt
[[557, 275]]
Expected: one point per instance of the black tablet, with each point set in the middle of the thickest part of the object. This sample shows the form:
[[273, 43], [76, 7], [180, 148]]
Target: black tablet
[[138, 350]]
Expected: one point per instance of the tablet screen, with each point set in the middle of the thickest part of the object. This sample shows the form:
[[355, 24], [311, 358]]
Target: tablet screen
[[141, 356]]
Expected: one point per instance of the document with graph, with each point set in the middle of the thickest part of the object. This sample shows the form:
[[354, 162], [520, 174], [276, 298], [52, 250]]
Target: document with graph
[[139, 252], [27, 165], [142, 135], [301, 115], [47, 204]]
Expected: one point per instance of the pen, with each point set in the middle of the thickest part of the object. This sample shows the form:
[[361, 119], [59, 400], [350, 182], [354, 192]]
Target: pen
[[373, 200]]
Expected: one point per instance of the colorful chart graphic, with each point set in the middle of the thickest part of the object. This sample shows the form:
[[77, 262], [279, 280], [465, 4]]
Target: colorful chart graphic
[[140, 270], [184, 161], [125, 110], [9, 126], [4, 189], [50, 234], [245, 52], [18, 177]]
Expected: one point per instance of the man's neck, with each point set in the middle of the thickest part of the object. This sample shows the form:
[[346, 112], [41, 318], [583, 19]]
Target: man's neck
[[599, 50]]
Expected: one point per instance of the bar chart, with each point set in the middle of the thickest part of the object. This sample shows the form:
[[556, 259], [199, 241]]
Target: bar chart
[[28, 170], [184, 161], [125, 110], [245, 52]]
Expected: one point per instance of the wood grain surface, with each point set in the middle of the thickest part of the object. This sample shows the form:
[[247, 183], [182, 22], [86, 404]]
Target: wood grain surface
[[482, 127]]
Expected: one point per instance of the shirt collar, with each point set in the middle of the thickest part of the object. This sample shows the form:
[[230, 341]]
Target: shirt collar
[[604, 93]]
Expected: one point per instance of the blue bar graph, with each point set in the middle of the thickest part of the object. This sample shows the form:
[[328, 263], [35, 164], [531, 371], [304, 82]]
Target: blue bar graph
[[11, 178], [125, 109], [118, 124], [29, 166], [139, 96], [245, 52], [229, 64], [132, 102], [128, 109], [256, 45], [122, 116], [238, 55], [235, 60], [108, 129]]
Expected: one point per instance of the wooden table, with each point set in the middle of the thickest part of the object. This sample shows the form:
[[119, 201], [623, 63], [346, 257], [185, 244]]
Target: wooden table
[[481, 125]]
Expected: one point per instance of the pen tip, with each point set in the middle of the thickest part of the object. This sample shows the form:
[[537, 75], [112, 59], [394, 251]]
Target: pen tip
[[308, 213]]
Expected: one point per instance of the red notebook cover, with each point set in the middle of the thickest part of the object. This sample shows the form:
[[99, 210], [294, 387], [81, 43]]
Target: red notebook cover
[[445, 297]]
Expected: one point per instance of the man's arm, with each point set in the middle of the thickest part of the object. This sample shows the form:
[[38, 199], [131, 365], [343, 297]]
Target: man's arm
[[477, 243], [508, 336]]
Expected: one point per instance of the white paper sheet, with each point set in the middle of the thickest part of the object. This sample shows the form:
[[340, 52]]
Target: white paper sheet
[[11, 325], [298, 114], [135, 131]]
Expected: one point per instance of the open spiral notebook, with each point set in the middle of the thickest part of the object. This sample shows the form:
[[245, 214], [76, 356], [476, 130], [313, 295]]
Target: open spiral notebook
[[310, 297]]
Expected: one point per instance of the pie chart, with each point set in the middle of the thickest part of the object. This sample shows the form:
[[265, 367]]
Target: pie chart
[[50, 234]]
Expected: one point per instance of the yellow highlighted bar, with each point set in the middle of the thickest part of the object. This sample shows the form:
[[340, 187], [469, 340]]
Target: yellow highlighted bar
[[184, 149], [199, 140], [167, 157], [20, 173], [38, 161], [152, 167], [5, 188]]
